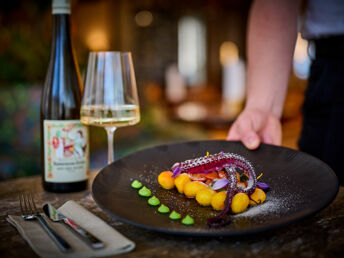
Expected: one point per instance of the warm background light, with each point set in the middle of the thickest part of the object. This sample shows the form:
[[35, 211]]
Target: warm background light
[[229, 53], [97, 40], [300, 54], [190, 52], [301, 62], [144, 18]]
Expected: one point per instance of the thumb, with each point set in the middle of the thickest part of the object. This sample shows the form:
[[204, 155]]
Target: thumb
[[251, 140], [248, 135]]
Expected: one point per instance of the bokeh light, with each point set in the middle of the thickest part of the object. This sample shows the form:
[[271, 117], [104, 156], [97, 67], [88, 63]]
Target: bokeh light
[[144, 18], [229, 53], [97, 40]]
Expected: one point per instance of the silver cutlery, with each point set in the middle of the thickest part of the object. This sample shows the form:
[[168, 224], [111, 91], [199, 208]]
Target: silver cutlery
[[56, 216], [30, 212]]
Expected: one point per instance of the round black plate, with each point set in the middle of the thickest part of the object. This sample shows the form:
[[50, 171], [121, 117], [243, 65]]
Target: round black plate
[[301, 185]]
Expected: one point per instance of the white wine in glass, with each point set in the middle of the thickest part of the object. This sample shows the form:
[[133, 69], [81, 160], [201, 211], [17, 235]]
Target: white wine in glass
[[110, 97], [118, 116]]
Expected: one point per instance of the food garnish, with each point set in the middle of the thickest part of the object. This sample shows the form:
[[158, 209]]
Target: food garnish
[[240, 203], [163, 209], [166, 180], [263, 186], [136, 184], [191, 188], [153, 201], [204, 196], [181, 181], [175, 215], [257, 197], [218, 201], [188, 220], [219, 184], [145, 192]]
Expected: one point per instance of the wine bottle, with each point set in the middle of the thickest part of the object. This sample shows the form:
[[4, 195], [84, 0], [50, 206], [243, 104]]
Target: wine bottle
[[64, 139]]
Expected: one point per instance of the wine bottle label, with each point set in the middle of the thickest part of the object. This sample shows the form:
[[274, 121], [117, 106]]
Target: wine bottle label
[[66, 151]]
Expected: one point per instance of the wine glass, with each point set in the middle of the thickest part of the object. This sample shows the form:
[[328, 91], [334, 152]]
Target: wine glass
[[110, 97]]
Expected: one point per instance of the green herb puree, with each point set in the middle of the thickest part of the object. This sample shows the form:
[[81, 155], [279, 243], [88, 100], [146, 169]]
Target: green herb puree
[[153, 201], [163, 209], [145, 192], [136, 184], [175, 215], [188, 220]]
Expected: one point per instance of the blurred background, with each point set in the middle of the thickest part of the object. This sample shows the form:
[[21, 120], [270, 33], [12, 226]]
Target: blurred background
[[189, 58]]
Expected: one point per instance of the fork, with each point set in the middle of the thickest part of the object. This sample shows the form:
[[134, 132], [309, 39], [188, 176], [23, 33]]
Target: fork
[[30, 212]]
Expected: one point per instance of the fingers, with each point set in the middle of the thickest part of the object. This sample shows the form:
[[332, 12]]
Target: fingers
[[243, 130], [249, 136], [252, 128], [272, 133], [251, 140], [233, 134]]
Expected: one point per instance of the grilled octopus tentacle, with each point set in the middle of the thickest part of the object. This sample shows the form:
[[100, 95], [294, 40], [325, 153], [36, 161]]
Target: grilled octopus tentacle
[[227, 161], [218, 221]]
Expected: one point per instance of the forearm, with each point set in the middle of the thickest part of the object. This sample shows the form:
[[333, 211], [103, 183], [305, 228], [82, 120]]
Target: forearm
[[272, 32]]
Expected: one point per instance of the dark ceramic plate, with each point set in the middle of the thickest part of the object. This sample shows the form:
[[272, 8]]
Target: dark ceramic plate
[[301, 185]]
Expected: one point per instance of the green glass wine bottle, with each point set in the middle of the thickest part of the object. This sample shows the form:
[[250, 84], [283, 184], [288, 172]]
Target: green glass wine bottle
[[64, 139]]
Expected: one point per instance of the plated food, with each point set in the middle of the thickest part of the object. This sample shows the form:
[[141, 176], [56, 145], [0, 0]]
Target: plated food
[[145, 192], [288, 173], [225, 181]]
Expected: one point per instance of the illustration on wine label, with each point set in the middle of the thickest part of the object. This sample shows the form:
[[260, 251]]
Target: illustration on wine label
[[67, 150]]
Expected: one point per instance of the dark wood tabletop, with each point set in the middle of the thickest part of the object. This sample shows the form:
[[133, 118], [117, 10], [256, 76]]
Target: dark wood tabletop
[[321, 235]]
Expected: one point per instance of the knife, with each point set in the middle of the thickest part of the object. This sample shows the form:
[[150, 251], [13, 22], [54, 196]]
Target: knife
[[56, 216]]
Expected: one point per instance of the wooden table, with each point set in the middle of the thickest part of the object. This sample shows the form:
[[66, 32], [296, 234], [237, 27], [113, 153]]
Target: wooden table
[[319, 236]]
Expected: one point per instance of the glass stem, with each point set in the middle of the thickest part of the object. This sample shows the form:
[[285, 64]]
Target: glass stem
[[110, 132]]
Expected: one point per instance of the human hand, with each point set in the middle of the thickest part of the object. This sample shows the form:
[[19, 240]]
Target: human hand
[[254, 126]]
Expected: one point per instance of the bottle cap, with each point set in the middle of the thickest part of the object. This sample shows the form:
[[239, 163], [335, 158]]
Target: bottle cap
[[61, 7]]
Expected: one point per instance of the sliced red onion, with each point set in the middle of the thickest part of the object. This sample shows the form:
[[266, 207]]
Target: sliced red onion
[[263, 186], [219, 184]]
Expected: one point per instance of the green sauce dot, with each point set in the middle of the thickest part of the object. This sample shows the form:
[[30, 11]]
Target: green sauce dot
[[163, 209], [188, 220], [153, 201], [145, 192], [136, 184], [175, 215]]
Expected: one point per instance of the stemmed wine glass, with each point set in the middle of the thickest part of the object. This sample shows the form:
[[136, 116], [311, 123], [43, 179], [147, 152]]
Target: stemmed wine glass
[[110, 97]]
